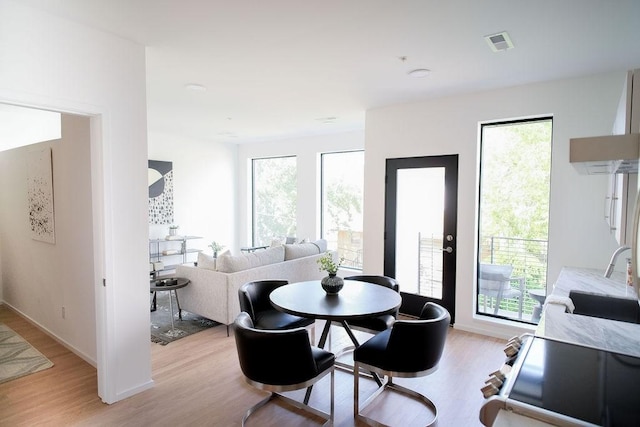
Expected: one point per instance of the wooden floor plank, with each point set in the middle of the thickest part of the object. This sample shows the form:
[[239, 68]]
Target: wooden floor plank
[[198, 382]]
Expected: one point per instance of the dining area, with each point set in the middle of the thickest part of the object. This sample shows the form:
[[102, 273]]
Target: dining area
[[364, 341]]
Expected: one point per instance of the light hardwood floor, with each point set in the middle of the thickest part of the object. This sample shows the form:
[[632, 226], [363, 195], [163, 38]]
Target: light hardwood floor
[[198, 383]]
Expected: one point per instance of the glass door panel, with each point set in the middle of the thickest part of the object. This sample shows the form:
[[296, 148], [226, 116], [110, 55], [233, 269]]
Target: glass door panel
[[419, 228]]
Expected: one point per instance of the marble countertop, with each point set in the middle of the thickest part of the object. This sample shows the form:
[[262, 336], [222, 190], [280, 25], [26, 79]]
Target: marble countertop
[[621, 337]]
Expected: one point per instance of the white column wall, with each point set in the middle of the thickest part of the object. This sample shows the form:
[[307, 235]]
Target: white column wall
[[578, 235], [59, 65]]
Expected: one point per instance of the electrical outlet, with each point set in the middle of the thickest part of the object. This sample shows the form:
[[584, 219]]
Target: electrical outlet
[[64, 314]]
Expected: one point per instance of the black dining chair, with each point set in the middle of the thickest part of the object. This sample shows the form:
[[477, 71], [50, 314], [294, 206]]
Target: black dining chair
[[373, 324], [254, 300], [409, 349], [380, 323], [280, 361]]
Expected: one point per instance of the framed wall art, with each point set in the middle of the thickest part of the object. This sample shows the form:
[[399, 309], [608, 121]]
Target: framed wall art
[[160, 192], [40, 195]]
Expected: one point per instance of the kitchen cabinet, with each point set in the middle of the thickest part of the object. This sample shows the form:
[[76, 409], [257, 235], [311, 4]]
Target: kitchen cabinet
[[619, 201]]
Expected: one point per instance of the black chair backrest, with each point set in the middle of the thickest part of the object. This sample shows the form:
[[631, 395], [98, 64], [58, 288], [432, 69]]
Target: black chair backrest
[[417, 345], [389, 282], [254, 296], [386, 281], [273, 357]]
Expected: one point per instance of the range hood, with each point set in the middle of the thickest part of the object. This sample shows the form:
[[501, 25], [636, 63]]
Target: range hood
[[617, 153], [605, 155]]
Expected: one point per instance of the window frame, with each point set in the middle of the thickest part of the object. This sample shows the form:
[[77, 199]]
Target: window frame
[[322, 193], [482, 125], [253, 190]]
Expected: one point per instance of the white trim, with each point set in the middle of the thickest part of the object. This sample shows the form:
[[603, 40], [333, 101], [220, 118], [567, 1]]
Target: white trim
[[102, 227], [44, 329]]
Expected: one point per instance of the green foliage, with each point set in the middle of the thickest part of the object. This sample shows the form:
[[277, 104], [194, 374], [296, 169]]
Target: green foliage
[[327, 263], [216, 247], [275, 198], [343, 201], [515, 178]]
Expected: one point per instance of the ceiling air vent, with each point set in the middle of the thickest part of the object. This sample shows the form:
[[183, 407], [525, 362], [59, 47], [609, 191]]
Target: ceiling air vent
[[499, 41]]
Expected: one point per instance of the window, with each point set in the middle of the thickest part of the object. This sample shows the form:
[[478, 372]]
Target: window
[[514, 218], [275, 196], [342, 195]]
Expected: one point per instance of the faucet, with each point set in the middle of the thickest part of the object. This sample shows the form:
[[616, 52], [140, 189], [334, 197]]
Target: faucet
[[614, 257]]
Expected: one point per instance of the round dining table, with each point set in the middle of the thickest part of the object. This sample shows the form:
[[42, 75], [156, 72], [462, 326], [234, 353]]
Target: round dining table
[[355, 300]]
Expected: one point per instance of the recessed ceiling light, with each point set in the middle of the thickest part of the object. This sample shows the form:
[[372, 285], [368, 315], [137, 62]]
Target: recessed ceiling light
[[228, 134], [330, 119], [419, 73], [195, 87]]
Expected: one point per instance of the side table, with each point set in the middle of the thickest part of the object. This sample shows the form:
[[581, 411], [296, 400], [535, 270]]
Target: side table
[[169, 284]]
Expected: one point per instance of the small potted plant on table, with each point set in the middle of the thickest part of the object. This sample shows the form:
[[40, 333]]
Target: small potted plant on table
[[331, 283]]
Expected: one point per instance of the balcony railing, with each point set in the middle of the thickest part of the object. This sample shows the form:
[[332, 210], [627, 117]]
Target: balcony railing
[[527, 256], [529, 260]]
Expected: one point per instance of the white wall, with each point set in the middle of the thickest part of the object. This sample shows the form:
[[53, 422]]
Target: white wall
[[307, 151], [40, 278], [204, 190], [17, 126], [577, 237], [59, 65]]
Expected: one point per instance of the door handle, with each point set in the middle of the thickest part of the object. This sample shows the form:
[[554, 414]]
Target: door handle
[[448, 249]]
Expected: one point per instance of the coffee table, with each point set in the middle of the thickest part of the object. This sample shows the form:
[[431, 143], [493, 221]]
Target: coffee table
[[170, 284]]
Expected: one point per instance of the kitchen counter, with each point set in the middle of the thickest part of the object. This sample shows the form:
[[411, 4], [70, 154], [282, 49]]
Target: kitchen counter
[[621, 337]]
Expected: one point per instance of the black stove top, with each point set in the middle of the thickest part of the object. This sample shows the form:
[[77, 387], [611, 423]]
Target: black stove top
[[587, 384]]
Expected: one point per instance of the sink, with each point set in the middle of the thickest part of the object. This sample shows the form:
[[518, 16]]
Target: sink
[[605, 307]]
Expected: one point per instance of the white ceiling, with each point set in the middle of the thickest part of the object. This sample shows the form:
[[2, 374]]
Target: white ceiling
[[277, 68]]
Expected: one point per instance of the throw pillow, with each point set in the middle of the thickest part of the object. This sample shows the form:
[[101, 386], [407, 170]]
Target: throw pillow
[[230, 264], [301, 250], [321, 244], [276, 242], [206, 261], [267, 256], [227, 263]]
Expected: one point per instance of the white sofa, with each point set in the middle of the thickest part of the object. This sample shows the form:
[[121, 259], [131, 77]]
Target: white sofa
[[213, 293]]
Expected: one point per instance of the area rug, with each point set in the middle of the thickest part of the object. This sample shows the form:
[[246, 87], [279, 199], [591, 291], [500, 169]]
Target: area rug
[[190, 324], [17, 357]]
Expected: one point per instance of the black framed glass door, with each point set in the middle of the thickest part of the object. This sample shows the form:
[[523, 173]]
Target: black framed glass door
[[421, 204]]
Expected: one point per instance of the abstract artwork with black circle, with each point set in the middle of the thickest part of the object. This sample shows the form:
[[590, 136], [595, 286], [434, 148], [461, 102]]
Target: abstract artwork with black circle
[[160, 192]]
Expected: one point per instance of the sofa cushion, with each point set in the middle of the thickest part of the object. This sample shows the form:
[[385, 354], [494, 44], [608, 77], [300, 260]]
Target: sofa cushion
[[231, 264], [206, 261], [304, 249]]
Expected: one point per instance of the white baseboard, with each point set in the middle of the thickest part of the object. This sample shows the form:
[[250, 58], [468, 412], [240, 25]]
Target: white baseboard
[[62, 342]]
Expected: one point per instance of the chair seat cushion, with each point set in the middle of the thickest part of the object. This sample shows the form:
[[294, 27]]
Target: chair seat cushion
[[378, 323], [274, 319], [372, 352]]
